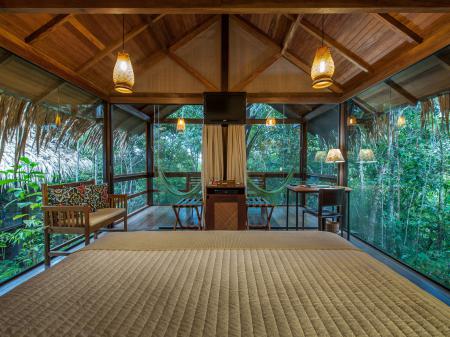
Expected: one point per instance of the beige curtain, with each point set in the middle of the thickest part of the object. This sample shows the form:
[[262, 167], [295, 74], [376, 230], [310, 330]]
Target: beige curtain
[[236, 154], [212, 154]]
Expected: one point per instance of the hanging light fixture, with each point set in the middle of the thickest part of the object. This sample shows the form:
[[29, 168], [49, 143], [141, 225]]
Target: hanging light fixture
[[352, 121], [271, 121], [401, 121], [123, 75], [322, 69], [181, 124], [58, 118]]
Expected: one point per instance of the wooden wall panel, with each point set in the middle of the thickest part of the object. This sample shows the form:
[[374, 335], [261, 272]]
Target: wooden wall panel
[[282, 76], [246, 53], [203, 54], [167, 77]]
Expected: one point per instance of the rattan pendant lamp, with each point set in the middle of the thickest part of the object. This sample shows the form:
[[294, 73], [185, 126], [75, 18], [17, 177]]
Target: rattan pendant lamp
[[123, 75], [322, 69]]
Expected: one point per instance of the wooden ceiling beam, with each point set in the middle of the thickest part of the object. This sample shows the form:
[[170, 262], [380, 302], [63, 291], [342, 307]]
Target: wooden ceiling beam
[[113, 46], [398, 27], [295, 60], [86, 33], [133, 111], [19, 47], [158, 17], [392, 65], [197, 98], [291, 32], [255, 73], [342, 50], [220, 7], [47, 28], [399, 89]]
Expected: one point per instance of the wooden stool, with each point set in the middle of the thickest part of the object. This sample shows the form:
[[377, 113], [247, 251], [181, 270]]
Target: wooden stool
[[188, 203], [264, 204]]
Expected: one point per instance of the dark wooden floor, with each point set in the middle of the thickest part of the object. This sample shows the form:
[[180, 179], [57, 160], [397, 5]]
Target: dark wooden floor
[[163, 217]]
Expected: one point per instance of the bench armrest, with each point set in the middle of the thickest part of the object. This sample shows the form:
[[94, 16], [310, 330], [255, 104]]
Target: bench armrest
[[118, 201], [66, 216]]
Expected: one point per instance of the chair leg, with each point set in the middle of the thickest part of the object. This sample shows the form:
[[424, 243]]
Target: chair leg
[[87, 238], [47, 247], [125, 223]]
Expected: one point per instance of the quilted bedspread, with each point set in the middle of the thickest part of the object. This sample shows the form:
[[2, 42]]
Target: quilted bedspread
[[221, 284]]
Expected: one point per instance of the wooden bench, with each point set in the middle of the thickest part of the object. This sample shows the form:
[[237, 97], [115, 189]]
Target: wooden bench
[[60, 219], [188, 203], [264, 205]]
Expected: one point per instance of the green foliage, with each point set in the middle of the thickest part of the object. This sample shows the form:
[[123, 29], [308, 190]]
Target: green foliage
[[23, 188], [401, 203]]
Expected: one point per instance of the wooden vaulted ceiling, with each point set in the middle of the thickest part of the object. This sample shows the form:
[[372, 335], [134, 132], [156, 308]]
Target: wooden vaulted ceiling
[[177, 56]]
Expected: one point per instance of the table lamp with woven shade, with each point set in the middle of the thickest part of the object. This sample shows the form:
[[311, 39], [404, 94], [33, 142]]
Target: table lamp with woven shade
[[334, 156], [366, 156]]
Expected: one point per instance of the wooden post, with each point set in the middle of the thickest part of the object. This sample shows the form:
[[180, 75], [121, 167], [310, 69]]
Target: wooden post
[[342, 173], [150, 160], [108, 169]]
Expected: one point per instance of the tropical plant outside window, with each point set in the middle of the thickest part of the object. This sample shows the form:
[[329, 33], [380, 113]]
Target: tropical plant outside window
[[400, 201]]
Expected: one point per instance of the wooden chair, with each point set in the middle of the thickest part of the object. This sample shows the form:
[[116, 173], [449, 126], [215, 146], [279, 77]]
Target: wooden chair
[[263, 204], [79, 219], [330, 206]]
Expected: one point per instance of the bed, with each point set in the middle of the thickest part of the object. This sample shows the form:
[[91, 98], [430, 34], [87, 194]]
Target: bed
[[221, 284]]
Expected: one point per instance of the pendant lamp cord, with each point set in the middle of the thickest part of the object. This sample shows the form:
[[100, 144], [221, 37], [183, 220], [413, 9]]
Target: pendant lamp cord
[[123, 32], [323, 19]]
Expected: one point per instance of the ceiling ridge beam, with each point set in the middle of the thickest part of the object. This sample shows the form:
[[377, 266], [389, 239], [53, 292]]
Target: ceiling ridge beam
[[135, 31], [17, 46], [258, 70], [294, 59], [402, 91], [47, 28], [398, 27], [341, 49]]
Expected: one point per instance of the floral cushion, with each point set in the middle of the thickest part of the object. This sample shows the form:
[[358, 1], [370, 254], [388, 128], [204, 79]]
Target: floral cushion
[[66, 196], [96, 196]]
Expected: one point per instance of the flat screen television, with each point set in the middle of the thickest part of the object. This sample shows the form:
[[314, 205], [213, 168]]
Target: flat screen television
[[225, 107]]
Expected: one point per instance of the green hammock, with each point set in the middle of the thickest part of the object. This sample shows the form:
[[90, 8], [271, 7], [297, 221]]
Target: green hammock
[[252, 186], [172, 190]]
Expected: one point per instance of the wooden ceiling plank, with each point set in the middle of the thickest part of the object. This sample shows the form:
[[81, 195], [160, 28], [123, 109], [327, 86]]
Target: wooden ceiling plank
[[402, 91], [192, 71], [257, 33], [346, 53], [19, 47], [221, 7], [47, 28], [398, 27], [194, 32], [388, 67], [291, 32], [86, 33], [113, 46], [255, 73]]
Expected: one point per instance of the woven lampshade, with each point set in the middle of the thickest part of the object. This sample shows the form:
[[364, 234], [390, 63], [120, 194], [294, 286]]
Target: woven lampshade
[[320, 156], [322, 69], [181, 124], [123, 75], [366, 155], [334, 156], [352, 121], [270, 121], [401, 121]]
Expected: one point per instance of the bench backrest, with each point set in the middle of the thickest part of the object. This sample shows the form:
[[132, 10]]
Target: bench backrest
[[46, 187]]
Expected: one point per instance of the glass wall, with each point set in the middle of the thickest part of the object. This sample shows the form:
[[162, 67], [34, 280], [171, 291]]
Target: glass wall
[[129, 157], [273, 152], [323, 133], [178, 154], [399, 170], [52, 132]]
